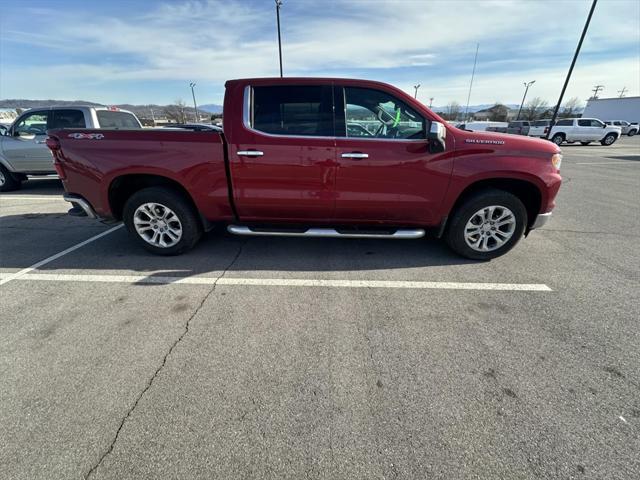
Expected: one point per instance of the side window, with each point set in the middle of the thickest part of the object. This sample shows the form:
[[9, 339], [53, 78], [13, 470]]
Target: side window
[[110, 119], [32, 124], [293, 110], [565, 123], [376, 114], [67, 119], [584, 123], [597, 123], [616, 123]]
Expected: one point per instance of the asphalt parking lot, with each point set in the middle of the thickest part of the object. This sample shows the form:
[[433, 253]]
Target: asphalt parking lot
[[323, 358]]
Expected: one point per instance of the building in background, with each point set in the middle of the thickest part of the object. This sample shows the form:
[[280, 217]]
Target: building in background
[[625, 108]]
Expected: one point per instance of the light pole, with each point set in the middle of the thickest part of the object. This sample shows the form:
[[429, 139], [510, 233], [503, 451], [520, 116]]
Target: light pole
[[195, 105], [278, 5], [573, 62], [415, 93], [526, 89]]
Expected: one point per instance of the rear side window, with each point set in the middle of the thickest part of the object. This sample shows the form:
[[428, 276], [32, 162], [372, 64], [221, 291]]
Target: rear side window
[[293, 110], [67, 119], [565, 123], [117, 120], [584, 123], [541, 123]]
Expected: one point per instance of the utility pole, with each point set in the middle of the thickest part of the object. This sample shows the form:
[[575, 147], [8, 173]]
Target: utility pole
[[622, 92], [573, 62], [278, 5], [416, 87], [527, 85], [195, 105], [430, 102], [596, 90], [153, 117], [466, 110]]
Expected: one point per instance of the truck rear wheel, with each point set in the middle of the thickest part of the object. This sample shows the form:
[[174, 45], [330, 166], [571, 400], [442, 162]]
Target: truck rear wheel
[[609, 139], [487, 225], [162, 221], [8, 181], [632, 133]]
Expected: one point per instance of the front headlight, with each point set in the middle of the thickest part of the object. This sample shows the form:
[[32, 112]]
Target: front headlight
[[556, 160]]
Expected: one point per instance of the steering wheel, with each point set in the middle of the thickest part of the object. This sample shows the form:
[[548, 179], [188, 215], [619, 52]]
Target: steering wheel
[[391, 122]]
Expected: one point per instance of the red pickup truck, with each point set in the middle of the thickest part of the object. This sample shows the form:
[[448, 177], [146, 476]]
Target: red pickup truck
[[317, 157]]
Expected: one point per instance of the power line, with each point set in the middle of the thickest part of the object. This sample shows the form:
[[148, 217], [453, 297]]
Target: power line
[[596, 90], [466, 110], [416, 87], [622, 92]]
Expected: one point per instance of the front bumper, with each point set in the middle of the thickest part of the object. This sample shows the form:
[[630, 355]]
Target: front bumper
[[541, 220]]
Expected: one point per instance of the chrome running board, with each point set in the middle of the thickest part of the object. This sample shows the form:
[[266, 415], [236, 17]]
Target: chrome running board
[[399, 234]]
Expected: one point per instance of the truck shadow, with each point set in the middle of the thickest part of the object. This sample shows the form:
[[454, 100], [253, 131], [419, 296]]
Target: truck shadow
[[220, 252]]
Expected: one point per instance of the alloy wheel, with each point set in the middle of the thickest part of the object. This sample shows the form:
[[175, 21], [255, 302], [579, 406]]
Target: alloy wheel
[[490, 228], [157, 224]]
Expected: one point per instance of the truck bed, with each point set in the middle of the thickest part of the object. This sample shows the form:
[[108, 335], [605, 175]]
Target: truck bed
[[98, 162]]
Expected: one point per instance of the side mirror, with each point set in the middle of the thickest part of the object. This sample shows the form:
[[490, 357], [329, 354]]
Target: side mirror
[[436, 136]]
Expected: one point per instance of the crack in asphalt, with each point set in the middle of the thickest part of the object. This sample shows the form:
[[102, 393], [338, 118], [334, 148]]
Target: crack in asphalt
[[164, 362]]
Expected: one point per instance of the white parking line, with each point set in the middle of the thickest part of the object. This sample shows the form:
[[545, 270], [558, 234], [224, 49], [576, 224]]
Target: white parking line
[[14, 276], [628, 162], [277, 282], [31, 197]]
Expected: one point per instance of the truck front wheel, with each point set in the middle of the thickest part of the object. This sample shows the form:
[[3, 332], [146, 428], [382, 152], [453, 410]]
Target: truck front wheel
[[162, 221], [558, 138], [487, 225], [609, 139]]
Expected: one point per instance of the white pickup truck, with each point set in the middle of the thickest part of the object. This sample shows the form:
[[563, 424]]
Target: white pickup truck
[[629, 129], [585, 131], [22, 146]]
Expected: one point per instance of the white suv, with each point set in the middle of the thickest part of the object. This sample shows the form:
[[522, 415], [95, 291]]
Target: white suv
[[629, 129], [585, 131]]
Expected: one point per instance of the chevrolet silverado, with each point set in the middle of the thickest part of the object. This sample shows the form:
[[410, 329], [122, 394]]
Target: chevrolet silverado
[[316, 157]]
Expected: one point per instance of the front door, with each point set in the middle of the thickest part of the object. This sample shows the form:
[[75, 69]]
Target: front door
[[25, 146], [386, 173], [283, 159]]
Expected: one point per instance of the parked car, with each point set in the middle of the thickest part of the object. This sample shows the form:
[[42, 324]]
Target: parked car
[[286, 164], [482, 126], [627, 128], [585, 131], [519, 127], [539, 128], [23, 151]]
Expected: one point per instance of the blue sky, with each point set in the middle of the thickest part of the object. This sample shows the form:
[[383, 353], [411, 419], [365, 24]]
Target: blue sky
[[148, 51]]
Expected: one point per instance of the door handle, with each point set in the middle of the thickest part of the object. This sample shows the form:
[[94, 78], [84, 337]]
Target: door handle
[[355, 155], [250, 153], [40, 141]]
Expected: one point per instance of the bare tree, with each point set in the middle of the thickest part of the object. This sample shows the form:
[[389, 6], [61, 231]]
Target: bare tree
[[499, 113], [534, 108], [175, 112], [452, 111], [571, 107]]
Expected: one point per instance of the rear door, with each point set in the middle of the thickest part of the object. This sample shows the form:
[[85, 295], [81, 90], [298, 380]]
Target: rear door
[[282, 159], [25, 147], [386, 174]]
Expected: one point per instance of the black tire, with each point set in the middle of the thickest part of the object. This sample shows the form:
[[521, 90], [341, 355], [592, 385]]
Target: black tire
[[455, 233], [585, 143], [609, 139], [8, 181], [558, 138], [632, 133], [181, 207]]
